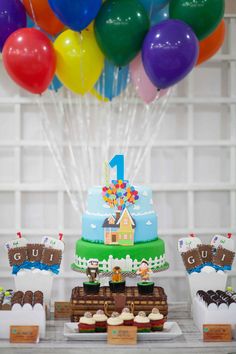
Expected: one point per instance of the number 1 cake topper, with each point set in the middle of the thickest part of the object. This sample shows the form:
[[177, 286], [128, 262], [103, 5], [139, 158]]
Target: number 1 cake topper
[[119, 193]]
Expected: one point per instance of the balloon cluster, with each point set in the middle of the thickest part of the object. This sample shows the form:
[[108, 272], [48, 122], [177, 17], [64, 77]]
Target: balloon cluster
[[96, 44], [119, 194]]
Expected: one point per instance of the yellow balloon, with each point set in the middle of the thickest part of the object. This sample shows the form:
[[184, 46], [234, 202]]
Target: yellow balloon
[[79, 60]]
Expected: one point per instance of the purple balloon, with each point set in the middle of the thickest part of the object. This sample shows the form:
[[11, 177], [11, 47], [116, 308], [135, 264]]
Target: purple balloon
[[12, 17], [169, 53]]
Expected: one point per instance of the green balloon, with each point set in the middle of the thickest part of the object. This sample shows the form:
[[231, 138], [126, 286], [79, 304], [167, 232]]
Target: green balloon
[[120, 28], [202, 15]]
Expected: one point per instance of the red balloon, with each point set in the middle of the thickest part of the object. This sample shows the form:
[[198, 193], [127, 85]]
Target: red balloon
[[30, 60]]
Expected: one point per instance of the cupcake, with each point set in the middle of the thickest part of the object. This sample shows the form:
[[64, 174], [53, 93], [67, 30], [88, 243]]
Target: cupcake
[[142, 322], [156, 319], [87, 323], [100, 321], [127, 317], [115, 320]]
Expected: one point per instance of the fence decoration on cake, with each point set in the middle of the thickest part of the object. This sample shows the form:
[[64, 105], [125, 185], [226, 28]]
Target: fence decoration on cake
[[127, 264], [46, 255]]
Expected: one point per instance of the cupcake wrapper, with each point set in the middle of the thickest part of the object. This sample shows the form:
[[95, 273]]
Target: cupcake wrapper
[[100, 329], [157, 329], [86, 328], [128, 322], [143, 327]]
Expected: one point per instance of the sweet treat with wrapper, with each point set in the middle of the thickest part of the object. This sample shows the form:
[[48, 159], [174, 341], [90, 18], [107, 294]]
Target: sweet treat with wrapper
[[100, 321], [42, 256], [213, 307], [35, 264], [115, 320], [87, 323], [127, 316], [157, 320], [35, 252], [207, 264], [142, 322], [17, 253], [25, 308], [197, 256]]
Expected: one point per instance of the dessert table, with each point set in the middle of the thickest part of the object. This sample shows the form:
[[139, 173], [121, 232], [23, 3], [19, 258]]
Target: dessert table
[[189, 343]]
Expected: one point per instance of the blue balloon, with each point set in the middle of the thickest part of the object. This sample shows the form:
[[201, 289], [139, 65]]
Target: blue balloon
[[112, 81], [160, 15], [30, 22], [55, 84], [76, 14], [154, 5]]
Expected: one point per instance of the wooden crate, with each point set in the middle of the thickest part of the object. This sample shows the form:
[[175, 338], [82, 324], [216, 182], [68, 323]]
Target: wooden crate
[[109, 302]]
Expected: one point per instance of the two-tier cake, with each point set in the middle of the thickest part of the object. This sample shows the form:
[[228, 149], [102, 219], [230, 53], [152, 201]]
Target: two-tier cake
[[119, 228]]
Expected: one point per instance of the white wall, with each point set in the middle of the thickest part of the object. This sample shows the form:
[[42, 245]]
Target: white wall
[[191, 169]]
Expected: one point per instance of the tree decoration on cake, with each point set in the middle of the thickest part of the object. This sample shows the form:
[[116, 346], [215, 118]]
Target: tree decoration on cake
[[120, 194]]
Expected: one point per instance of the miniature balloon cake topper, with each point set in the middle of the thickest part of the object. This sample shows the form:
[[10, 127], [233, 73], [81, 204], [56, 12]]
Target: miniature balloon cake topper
[[92, 286], [42, 256]]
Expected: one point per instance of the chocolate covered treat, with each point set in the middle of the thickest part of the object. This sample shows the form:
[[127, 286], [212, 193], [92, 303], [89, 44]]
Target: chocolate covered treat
[[34, 252], [51, 256], [213, 307], [192, 259], [219, 298], [223, 258], [38, 298], [17, 256], [17, 298], [206, 253], [28, 298]]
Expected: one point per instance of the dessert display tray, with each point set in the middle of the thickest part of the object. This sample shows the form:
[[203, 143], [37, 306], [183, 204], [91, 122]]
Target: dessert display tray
[[171, 331]]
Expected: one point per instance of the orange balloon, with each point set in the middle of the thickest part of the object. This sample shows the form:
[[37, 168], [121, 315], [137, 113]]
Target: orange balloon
[[211, 44], [42, 14]]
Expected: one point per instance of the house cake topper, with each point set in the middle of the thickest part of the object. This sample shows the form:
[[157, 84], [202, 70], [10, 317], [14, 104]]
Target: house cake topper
[[119, 194]]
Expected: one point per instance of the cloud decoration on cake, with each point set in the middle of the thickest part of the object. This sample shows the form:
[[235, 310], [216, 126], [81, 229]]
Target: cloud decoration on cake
[[148, 223], [145, 194], [106, 206], [93, 226]]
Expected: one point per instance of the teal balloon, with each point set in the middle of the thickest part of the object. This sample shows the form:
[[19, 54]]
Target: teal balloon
[[154, 5], [30, 22], [159, 16], [55, 84], [113, 80]]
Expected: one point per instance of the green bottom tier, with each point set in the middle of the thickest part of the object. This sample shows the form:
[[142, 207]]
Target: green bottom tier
[[127, 257]]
